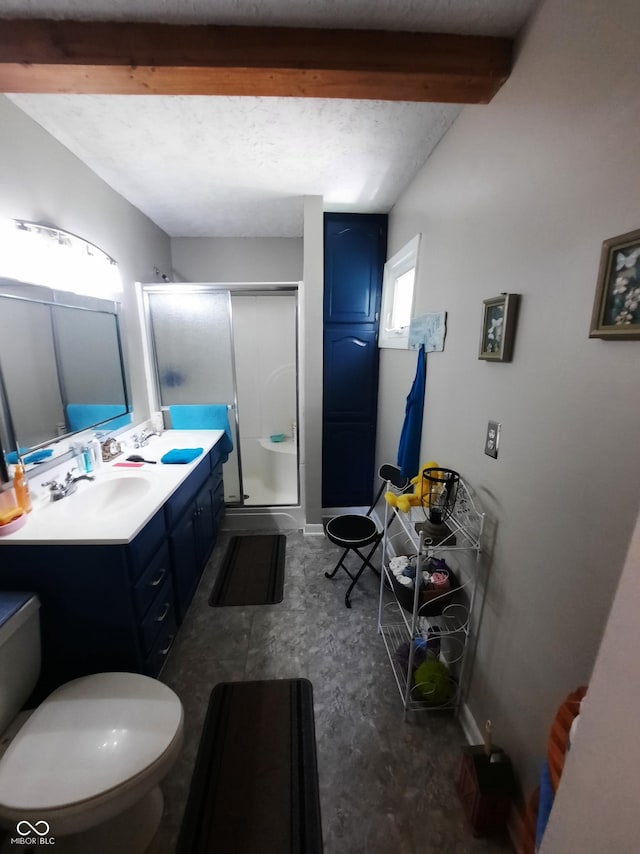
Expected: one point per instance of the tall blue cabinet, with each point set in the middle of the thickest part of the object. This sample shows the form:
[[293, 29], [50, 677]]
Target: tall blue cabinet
[[355, 247]]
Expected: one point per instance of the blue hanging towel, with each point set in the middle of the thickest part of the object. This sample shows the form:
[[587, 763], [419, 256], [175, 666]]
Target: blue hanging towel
[[206, 416], [84, 415], [35, 457], [409, 445]]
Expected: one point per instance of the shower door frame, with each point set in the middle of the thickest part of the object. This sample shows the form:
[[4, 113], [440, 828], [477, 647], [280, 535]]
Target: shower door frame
[[230, 288]]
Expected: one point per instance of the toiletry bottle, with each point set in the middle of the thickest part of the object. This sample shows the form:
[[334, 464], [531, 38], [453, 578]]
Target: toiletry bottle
[[96, 452], [87, 459], [21, 488], [78, 452]]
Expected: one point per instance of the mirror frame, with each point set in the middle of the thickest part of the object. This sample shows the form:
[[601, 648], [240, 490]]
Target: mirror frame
[[26, 292]]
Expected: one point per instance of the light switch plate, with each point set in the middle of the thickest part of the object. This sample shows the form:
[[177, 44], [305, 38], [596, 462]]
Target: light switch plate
[[492, 439]]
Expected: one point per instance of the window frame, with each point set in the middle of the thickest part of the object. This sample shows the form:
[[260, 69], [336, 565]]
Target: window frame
[[404, 260]]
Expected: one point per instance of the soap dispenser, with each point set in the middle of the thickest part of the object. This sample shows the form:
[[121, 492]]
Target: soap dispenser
[[21, 488]]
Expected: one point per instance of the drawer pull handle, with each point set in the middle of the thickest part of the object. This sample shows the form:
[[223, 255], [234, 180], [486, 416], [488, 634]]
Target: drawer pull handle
[[161, 618], [161, 575], [167, 647]]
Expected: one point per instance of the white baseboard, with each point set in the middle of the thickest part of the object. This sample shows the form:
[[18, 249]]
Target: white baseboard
[[470, 728], [263, 518], [313, 529]]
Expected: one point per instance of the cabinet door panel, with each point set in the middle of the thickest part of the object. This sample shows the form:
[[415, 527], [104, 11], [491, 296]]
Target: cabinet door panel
[[184, 494], [350, 374], [347, 464], [205, 521], [354, 253], [184, 561]]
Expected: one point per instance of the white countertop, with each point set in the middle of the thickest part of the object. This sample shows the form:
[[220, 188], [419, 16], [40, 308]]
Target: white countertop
[[88, 517]]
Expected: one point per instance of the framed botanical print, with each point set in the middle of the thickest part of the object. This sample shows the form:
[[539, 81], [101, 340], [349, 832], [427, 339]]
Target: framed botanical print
[[497, 334], [616, 309]]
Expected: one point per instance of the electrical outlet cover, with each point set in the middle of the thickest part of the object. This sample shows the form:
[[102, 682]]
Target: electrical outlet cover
[[492, 439]]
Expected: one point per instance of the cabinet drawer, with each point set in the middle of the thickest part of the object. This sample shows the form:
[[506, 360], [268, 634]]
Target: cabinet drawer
[[143, 547], [161, 648], [161, 611], [184, 495], [150, 582]]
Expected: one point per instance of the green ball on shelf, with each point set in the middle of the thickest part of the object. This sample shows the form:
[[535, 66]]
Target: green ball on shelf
[[433, 683]]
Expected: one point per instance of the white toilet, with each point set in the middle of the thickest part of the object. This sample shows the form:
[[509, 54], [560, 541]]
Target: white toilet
[[83, 768]]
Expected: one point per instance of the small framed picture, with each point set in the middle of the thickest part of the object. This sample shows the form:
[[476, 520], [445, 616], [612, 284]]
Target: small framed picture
[[616, 309], [499, 317]]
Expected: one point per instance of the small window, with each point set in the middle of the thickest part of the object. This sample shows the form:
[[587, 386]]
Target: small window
[[397, 296]]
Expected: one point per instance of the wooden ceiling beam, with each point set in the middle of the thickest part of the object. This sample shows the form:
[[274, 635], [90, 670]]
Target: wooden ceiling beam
[[117, 58]]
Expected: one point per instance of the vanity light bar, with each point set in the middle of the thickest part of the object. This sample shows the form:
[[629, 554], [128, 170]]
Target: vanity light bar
[[42, 255]]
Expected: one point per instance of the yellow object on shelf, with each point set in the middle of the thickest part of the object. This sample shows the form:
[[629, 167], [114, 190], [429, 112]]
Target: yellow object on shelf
[[416, 498]]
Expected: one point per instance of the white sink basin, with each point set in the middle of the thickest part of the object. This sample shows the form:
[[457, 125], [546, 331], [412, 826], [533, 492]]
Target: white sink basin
[[109, 497]]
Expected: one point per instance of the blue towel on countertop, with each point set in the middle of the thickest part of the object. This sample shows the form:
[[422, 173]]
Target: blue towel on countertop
[[181, 455], [205, 416]]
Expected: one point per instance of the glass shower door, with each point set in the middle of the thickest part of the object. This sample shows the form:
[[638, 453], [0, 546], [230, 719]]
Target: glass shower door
[[194, 359], [265, 346]]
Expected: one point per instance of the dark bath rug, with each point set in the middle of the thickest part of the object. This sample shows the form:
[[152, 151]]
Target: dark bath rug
[[255, 783], [252, 572]]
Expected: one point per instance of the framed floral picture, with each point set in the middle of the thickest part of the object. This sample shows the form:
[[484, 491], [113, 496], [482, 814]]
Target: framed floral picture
[[498, 330], [616, 309]]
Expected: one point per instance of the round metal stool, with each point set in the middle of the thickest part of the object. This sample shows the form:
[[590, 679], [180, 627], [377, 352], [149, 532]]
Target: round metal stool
[[353, 533]]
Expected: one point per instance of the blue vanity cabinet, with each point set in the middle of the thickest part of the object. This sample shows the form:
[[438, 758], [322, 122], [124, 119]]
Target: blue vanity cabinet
[[94, 603], [118, 606], [194, 514]]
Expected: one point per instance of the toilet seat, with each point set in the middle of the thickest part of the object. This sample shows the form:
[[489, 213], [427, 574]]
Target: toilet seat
[[94, 746]]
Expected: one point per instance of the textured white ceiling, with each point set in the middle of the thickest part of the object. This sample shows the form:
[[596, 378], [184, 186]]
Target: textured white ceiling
[[226, 166]]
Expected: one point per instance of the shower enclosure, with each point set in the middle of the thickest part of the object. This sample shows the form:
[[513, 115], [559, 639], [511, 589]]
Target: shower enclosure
[[236, 345]]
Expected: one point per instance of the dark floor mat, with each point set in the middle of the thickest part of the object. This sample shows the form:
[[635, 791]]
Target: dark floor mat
[[255, 783], [252, 572]]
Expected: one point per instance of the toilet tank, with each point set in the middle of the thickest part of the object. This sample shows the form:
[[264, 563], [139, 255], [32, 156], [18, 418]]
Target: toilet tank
[[19, 652]]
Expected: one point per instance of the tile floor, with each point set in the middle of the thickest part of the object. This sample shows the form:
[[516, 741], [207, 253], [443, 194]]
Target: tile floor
[[386, 786]]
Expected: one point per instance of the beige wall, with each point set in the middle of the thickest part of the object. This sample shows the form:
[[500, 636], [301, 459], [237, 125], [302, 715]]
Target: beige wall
[[519, 197], [596, 806], [42, 181], [237, 259], [311, 312]]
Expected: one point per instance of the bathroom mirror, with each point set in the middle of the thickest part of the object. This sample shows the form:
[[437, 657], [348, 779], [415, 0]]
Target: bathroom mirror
[[61, 366]]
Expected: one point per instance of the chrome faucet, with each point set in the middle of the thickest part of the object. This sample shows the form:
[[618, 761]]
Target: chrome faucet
[[140, 440], [60, 489]]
